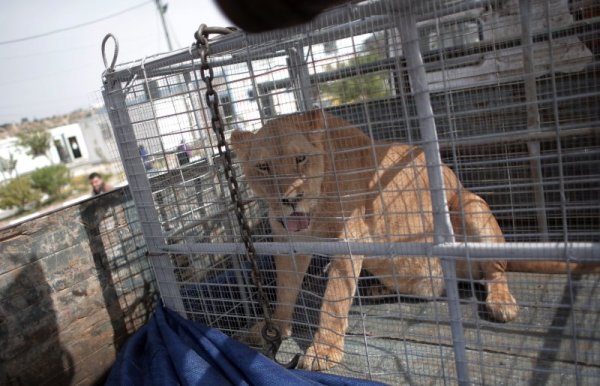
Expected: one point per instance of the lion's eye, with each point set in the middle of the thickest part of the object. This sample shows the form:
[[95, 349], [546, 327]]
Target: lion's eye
[[263, 167], [300, 159]]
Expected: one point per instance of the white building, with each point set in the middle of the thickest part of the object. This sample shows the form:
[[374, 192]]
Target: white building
[[67, 145], [88, 142]]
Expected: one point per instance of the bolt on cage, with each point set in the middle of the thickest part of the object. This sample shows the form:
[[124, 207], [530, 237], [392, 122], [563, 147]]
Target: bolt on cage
[[504, 92]]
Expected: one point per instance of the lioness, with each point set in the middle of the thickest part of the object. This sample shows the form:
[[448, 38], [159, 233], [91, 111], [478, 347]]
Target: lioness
[[324, 179]]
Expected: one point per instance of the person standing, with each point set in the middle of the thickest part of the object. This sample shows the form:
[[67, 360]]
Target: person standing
[[184, 153], [145, 158]]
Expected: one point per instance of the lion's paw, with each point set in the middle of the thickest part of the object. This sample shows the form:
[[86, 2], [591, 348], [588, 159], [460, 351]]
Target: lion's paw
[[502, 306], [321, 357]]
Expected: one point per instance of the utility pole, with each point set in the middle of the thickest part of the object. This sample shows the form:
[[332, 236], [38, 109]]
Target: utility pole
[[162, 9]]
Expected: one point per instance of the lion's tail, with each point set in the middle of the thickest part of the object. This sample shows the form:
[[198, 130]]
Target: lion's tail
[[552, 267], [480, 222]]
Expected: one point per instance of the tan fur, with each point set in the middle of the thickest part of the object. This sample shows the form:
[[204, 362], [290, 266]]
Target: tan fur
[[356, 189]]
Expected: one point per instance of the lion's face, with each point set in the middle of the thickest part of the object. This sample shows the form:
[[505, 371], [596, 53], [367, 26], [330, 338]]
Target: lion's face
[[284, 165]]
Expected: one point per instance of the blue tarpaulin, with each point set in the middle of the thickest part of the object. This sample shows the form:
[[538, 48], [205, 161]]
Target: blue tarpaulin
[[170, 350]]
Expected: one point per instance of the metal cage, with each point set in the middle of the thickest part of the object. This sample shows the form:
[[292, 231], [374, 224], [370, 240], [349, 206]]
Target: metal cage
[[504, 92]]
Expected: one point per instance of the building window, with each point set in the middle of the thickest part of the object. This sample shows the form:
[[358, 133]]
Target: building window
[[74, 147], [63, 154]]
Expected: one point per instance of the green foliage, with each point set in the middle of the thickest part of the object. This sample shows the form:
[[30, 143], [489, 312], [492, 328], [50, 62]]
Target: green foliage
[[8, 165], [79, 184], [35, 141], [366, 85], [51, 179], [357, 88], [18, 193]]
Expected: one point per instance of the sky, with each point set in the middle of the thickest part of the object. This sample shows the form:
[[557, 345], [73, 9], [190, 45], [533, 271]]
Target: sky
[[61, 72]]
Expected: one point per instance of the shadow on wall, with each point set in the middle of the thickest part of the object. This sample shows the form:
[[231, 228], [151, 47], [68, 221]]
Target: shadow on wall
[[116, 245], [32, 319], [74, 284]]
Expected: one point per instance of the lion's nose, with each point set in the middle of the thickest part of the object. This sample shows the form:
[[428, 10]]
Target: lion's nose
[[292, 200]]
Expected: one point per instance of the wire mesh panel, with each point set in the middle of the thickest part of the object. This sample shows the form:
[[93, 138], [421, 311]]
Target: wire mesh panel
[[421, 180]]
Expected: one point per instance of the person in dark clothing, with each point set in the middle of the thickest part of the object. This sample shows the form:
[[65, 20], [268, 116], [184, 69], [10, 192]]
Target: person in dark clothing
[[145, 158], [184, 153]]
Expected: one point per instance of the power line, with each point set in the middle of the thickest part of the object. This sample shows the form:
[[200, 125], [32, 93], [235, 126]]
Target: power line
[[41, 76], [37, 36], [73, 49], [41, 53]]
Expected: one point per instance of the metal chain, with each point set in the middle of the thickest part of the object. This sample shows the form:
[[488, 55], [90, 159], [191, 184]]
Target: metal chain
[[270, 332]]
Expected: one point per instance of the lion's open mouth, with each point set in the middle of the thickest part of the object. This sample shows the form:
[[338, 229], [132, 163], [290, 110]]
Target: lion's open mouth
[[296, 221]]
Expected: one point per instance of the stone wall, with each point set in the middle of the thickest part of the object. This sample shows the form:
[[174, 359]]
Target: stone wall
[[74, 284]]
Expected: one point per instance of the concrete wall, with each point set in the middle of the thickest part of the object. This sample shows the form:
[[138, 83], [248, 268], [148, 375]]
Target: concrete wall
[[74, 284]]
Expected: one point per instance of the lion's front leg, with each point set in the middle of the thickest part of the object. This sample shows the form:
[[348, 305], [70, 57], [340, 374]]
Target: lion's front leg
[[478, 224], [327, 347], [499, 302], [290, 271]]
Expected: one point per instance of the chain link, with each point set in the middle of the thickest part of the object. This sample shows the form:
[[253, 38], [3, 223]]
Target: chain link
[[269, 332]]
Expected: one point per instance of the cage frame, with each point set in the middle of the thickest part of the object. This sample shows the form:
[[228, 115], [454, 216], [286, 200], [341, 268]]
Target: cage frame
[[444, 245]]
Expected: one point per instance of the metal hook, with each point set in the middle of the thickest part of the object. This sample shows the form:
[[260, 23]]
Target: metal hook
[[272, 337], [200, 34], [115, 53]]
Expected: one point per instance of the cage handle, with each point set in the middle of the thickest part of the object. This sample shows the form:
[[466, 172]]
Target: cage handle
[[115, 52]]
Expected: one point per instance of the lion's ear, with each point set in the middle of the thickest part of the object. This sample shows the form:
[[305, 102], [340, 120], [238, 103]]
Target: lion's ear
[[240, 141], [317, 124]]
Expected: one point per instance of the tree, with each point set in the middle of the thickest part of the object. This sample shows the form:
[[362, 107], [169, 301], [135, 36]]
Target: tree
[[8, 166], [357, 88], [365, 86], [36, 142], [50, 179], [18, 193]]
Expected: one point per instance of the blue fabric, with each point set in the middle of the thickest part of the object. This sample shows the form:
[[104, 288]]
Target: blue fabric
[[170, 350]]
